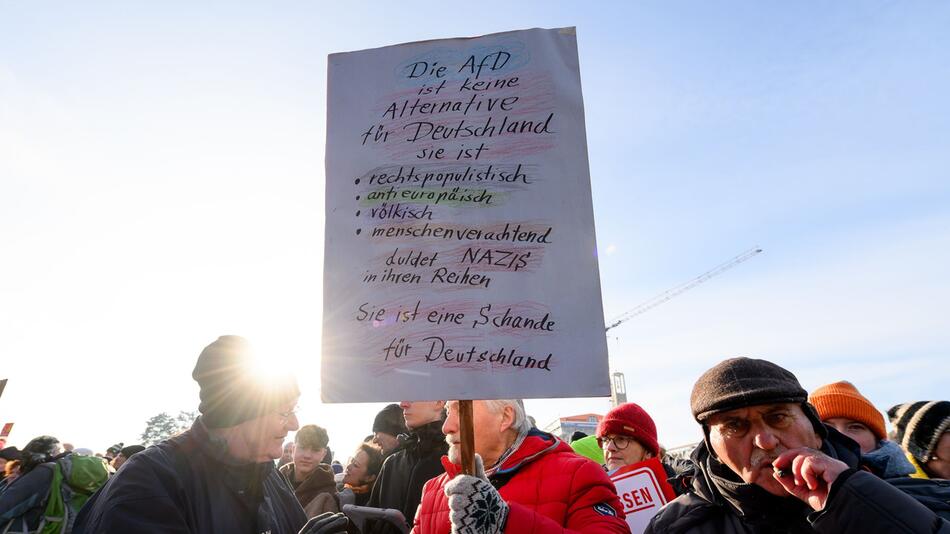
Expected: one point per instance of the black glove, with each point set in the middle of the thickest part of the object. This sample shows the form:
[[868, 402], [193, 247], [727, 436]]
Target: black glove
[[326, 523]]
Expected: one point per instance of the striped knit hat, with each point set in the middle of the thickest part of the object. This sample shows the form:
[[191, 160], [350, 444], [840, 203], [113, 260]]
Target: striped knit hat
[[920, 425], [842, 399]]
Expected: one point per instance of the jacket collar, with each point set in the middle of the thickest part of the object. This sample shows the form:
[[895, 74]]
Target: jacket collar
[[918, 470], [887, 461], [245, 478], [534, 445], [426, 438], [319, 480]]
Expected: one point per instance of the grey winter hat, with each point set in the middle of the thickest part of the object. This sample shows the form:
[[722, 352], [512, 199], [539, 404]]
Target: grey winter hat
[[920, 425], [231, 393], [740, 382]]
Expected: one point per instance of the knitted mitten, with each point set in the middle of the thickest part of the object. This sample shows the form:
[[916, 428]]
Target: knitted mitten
[[475, 506]]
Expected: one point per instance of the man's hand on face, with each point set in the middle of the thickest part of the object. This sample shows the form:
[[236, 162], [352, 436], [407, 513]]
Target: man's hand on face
[[326, 523], [807, 474]]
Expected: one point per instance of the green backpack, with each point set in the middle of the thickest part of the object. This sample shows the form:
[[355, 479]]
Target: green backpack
[[75, 479]]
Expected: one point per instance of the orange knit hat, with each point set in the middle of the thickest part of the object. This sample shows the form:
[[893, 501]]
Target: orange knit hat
[[842, 399]]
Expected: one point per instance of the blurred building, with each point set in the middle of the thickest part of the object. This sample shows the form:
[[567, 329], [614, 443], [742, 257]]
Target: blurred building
[[682, 452], [565, 426]]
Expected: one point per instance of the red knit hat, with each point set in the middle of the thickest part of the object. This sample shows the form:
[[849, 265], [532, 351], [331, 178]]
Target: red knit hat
[[631, 420], [842, 399]]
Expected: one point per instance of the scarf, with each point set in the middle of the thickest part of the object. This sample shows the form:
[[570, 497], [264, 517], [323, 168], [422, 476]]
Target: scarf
[[888, 460], [359, 490], [755, 505], [508, 452]]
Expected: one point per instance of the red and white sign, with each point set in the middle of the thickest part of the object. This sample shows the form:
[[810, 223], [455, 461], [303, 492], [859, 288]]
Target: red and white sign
[[643, 490]]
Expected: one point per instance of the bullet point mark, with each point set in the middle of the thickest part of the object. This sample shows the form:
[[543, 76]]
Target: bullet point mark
[[357, 197], [357, 181], [358, 231], [357, 213]]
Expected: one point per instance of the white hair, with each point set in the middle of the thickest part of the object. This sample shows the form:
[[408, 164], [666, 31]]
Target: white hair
[[521, 424]]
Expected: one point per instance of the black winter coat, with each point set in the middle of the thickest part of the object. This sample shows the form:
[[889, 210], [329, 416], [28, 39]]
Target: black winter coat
[[23, 502], [399, 485], [188, 484], [934, 493], [859, 502]]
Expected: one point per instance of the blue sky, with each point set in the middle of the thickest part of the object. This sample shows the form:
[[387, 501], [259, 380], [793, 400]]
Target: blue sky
[[162, 176]]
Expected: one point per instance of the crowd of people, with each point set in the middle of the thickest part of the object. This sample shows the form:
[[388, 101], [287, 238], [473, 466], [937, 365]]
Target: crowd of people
[[773, 458]]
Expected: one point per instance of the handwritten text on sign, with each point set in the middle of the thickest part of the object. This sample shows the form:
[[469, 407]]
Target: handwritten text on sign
[[460, 256]]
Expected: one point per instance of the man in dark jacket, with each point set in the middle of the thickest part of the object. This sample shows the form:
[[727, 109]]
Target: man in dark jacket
[[219, 476], [417, 459], [23, 503], [768, 464]]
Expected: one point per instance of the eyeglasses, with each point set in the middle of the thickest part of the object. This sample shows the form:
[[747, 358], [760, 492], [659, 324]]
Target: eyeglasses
[[620, 442], [285, 416]]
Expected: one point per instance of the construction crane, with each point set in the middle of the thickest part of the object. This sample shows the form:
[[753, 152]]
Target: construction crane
[[682, 288], [618, 384]]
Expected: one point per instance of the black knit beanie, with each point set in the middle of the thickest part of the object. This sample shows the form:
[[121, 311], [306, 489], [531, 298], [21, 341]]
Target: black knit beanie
[[130, 450], [231, 393], [390, 421], [920, 425]]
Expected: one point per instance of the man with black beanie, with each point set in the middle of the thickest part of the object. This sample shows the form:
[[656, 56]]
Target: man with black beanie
[[219, 476], [768, 464], [387, 427]]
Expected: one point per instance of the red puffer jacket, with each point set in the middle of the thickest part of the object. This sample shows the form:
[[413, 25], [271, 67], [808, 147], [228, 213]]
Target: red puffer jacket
[[548, 487]]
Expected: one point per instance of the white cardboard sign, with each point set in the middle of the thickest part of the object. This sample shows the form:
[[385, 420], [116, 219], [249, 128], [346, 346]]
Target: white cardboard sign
[[643, 490], [460, 258]]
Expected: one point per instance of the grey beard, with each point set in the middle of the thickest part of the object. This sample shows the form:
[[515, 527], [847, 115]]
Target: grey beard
[[455, 451]]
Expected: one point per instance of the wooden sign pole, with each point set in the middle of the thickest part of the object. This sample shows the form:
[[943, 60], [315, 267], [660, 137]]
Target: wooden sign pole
[[467, 434]]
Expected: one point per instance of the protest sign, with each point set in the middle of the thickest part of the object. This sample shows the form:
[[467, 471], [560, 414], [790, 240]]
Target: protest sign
[[7, 428], [643, 490], [460, 259]]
